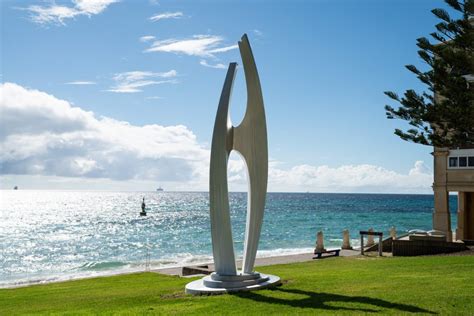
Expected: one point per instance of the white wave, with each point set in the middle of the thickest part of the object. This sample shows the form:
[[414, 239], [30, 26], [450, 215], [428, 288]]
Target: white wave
[[282, 252], [44, 279]]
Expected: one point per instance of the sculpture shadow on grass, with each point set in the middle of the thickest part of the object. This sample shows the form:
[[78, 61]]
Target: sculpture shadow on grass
[[320, 301]]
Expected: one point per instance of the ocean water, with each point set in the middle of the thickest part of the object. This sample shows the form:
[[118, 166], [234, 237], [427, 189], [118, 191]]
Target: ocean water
[[57, 235]]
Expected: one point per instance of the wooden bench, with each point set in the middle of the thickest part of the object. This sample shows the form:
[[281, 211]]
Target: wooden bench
[[334, 251], [193, 270]]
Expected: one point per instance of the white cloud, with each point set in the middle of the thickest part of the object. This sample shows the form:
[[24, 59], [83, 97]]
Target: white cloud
[[132, 81], [351, 178], [258, 33], [217, 66], [419, 169], [81, 83], [166, 15], [147, 38], [348, 178], [154, 98], [93, 6], [198, 45], [223, 49], [59, 13], [43, 135]]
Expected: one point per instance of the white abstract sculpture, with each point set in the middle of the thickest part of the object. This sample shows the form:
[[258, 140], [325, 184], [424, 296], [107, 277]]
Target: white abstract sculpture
[[346, 240], [370, 238], [250, 140]]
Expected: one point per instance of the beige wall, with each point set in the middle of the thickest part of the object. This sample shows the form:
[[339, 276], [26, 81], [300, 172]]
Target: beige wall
[[460, 180], [453, 180], [469, 217]]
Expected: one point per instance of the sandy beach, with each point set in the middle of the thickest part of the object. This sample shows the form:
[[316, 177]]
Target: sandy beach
[[265, 261]]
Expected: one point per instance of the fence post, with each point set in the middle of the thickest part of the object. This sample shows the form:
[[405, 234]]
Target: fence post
[[380, 245]]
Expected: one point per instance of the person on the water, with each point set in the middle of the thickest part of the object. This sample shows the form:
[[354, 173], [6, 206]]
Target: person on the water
[[143, 205]]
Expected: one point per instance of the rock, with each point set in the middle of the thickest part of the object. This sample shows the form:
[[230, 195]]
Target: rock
[[346, 240], [370, 238], [320, 241], [393, 232]]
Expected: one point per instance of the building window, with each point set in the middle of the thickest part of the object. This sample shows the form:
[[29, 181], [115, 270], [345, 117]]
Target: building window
[[471, 161], [453, 161], [462, 161]]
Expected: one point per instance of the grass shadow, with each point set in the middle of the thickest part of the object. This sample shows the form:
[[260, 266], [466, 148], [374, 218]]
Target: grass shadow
[[320, 301]]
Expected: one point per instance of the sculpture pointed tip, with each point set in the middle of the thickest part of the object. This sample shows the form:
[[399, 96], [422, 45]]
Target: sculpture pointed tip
[[244, 37]]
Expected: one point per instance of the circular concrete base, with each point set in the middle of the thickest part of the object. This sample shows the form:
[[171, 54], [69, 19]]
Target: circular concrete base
[[220, 284]]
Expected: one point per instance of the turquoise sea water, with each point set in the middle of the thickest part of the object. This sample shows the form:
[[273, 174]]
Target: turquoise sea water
[[55, 235]]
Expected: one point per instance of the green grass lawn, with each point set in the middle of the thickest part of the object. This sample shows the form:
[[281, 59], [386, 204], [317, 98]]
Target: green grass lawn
[[431, 285]]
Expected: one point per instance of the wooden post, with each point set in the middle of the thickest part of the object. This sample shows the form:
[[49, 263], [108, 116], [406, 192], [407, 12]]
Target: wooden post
[[380, 245], [370, 232]]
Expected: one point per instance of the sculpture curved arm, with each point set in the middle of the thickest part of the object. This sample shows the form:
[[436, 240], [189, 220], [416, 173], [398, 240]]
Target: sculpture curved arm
[[250, 139], [221, 231]]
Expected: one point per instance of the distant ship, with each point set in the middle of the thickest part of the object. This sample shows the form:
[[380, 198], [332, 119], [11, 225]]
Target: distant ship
[[15, 187], [160, 189]]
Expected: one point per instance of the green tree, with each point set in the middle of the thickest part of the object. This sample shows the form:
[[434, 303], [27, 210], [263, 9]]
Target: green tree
[[442, 116]]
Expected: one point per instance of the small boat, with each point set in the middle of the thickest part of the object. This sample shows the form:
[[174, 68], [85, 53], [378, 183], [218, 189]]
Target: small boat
[[143, 212], [160, 189]]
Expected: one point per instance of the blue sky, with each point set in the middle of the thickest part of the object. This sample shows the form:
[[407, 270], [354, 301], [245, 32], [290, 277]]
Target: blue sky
[[323, 66]]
